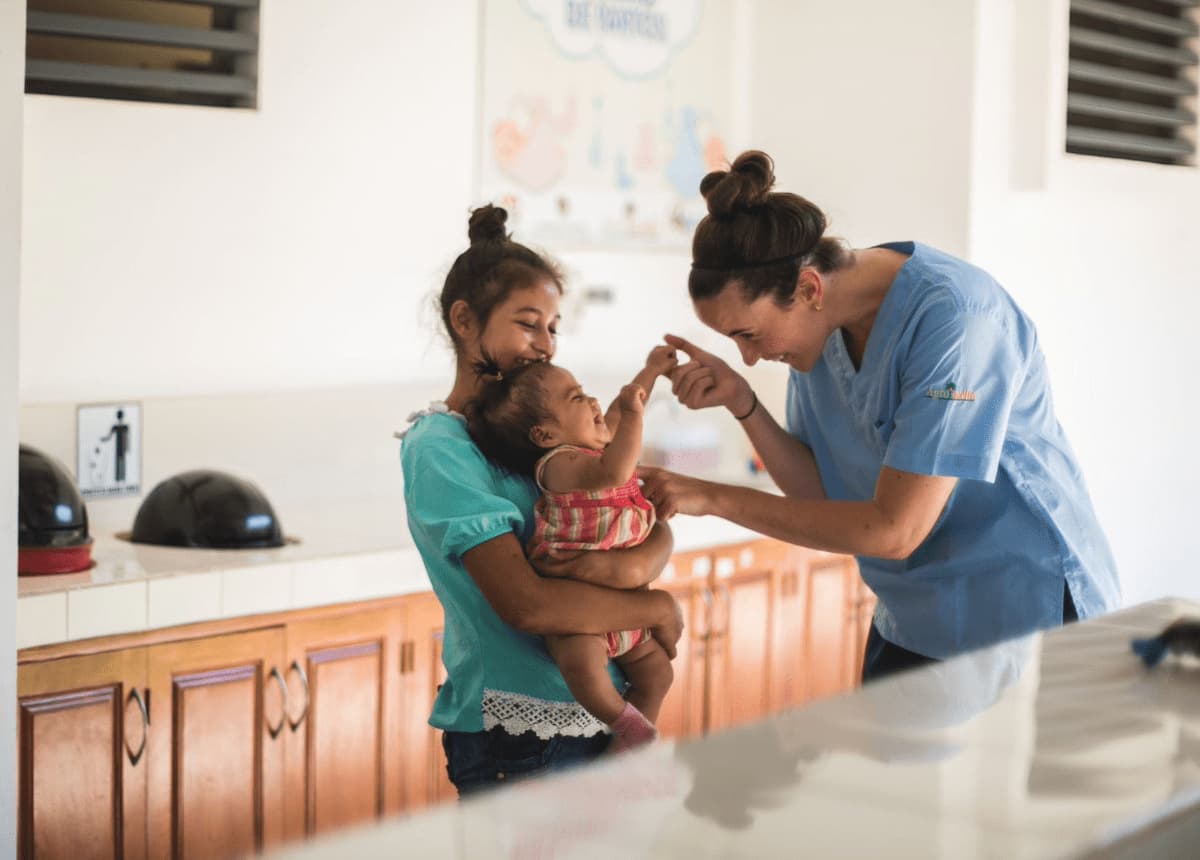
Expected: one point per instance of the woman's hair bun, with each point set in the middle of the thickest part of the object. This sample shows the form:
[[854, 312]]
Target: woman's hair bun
[[487, 224], [745, 184]]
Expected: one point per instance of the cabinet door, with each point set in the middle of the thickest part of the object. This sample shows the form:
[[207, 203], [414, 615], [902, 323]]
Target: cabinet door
[[343, 744], [832, 649], [865, 606], [686, 578], [789, 677], [740, 645], [81, 757], [215, 784], [422, 674]]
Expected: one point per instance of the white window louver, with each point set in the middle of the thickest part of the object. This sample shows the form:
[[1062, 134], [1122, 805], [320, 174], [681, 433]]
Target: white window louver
[[199, 52], [1131, 88]]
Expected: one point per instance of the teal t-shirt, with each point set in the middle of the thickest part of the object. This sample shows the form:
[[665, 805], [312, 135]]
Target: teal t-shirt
[[497, 676]]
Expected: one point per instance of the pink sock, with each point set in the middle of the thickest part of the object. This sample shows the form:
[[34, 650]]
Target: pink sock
[[631, 729]]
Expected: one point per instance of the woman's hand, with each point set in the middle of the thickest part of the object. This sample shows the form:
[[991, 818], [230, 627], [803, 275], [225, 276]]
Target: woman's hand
[[706, 380], [635, 567], [672, 493], [565, 564]]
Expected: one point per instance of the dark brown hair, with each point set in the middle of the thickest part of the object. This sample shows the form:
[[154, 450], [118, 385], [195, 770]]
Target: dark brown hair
[[494, 266], [508, 406], [757, 237]]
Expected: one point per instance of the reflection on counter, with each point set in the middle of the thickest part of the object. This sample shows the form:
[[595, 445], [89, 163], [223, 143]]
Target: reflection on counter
[[1054, 745]]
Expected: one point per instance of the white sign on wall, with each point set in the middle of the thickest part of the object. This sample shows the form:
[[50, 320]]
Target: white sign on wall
[[109, 458], [600, 117]]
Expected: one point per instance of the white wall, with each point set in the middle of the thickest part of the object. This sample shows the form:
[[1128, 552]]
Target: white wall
[[178, 250], [1102, 253], [192, 258], [12, 85], [865, 108], [172, 251]]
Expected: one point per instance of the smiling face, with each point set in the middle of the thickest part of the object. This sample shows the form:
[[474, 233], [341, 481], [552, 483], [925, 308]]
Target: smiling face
[[794, 335], [577, 418], [521, 329]]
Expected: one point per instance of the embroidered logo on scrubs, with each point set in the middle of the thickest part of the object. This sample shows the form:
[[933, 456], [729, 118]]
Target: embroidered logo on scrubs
[[950, 392]]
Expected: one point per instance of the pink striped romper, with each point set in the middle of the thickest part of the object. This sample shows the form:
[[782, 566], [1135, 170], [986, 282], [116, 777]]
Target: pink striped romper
[[612, 518]]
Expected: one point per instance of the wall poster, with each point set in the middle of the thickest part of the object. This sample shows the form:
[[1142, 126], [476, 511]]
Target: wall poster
[[600, 117]]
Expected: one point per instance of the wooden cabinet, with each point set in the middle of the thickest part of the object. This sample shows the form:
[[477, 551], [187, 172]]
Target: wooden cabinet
[[740, 639], [81, 757], [831, 626], [215, 753], [315, 721], [770, 626], [271, 728], [422, 674], [686, 578], [344, 720], [790, 615]]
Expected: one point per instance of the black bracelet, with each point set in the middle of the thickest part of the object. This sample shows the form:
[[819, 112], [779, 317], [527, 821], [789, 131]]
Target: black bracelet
[[749, 411]]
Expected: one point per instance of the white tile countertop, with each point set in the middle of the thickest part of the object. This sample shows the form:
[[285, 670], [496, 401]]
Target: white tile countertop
[[353, 552], [345, 553], [1056, 745]]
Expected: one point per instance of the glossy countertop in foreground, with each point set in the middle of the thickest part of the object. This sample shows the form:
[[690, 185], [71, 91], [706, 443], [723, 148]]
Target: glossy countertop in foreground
[[1056, 745]]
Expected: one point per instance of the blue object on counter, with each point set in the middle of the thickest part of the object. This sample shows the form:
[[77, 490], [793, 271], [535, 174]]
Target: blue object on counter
[[1180, 637], [1150, 650]]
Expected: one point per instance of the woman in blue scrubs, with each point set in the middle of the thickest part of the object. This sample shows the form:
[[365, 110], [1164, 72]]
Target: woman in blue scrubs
[[921, 434]]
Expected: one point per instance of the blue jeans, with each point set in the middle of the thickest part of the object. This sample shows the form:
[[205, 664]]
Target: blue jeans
[[481, 760]]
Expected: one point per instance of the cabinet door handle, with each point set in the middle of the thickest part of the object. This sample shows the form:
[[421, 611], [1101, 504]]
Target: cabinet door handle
[[135, 757], [707, 596], [274, 730], [717, 634], [408, 657], [299, 670]]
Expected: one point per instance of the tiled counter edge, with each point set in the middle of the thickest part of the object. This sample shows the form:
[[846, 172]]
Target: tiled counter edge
[[136, 589], [158, 602]]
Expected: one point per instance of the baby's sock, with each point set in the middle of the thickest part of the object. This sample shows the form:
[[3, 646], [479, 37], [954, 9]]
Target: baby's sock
[[631, 729]]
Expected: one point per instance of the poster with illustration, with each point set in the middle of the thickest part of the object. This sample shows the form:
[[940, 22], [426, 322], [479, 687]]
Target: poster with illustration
[[600, 117]]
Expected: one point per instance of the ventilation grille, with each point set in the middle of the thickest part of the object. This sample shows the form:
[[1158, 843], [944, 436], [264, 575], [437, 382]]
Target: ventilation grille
[[1131, 89], [198, 52]]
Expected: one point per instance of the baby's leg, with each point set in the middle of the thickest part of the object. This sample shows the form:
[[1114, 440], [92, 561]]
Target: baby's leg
[[583, 660], [648, 669]]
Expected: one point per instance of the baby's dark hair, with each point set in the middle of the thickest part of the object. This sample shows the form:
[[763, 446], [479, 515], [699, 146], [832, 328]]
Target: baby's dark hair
[[509, 405]]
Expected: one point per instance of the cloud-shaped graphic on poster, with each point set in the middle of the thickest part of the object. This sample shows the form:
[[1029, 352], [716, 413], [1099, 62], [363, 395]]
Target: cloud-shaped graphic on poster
[[637, 38]]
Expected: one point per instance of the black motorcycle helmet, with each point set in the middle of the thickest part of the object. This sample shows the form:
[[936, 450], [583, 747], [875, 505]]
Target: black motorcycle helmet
[[52, 520], [207, 509]]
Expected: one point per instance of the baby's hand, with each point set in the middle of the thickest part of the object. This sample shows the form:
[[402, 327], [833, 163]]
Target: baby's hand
[[632, 399], [662, 360]]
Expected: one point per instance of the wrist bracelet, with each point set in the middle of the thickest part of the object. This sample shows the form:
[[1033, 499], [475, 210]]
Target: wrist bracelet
[[749, 411]]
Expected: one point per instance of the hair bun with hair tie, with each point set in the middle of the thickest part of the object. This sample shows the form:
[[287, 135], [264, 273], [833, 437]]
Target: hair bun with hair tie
[[746, 184], [487, 224]]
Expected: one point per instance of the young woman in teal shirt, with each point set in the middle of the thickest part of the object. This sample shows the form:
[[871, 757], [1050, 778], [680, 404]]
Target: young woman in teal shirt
[[504, 709]]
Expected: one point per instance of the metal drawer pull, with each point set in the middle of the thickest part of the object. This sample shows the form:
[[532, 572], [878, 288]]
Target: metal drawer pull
[[135, 757], [274, 730], [299, 670]]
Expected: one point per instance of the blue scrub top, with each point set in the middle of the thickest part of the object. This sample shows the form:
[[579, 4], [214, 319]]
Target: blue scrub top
[[953, 383]]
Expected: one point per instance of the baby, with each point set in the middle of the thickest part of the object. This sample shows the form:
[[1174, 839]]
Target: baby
[[537, 421]]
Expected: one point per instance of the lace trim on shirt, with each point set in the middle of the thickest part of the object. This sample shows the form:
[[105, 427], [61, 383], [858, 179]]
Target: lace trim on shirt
[[435, 407], [517, 714]]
